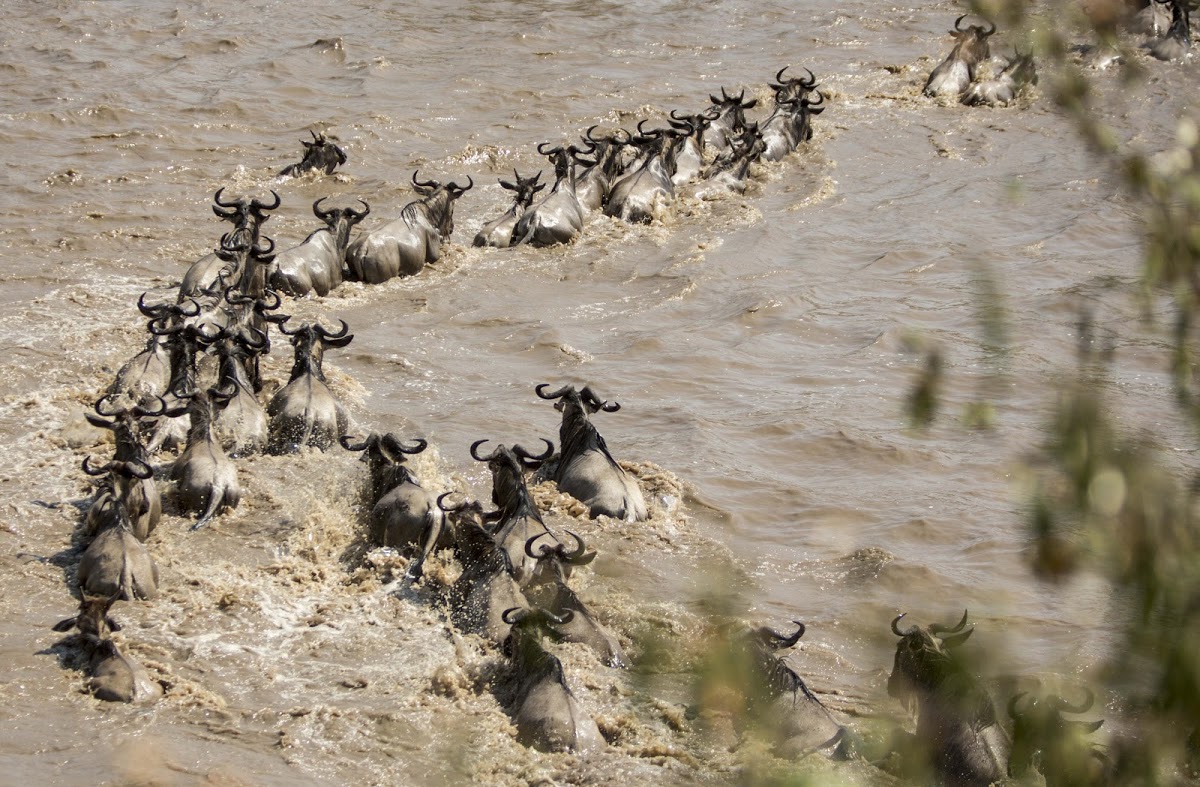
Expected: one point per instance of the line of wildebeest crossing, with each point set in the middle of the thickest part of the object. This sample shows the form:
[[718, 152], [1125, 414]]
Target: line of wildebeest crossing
[[515, 586]]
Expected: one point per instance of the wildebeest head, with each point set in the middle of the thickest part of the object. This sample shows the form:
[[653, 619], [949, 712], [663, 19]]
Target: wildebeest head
[[792, 88], [524, 644], [385, 456], [93, 621], [246, 215], [607, 149], [554, 559], [508, 466], [340, 220], [524, 189], [971, 42], [123, 422], [319, 155], [310, 341], [439, 201], [1042, 738], [731, 108], [923, 660], [585, 400]]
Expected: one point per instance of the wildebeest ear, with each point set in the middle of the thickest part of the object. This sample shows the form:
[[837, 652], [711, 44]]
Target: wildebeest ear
[[65, 625]]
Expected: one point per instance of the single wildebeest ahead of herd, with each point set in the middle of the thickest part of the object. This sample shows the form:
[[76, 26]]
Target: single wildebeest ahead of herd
[[404, 514], [789, 125], [779, 700], [206, 479], [403, 247], [247, 216], [586, 470], [517, 517], [558, 216], [316, 264], [305, 411], [320, 155], [958, 739], [1000, 91], [792, 88], [1044, 742], [498, 232], [953, 75], [115, 677], [1176, 44], [548, 590], [545, 710]]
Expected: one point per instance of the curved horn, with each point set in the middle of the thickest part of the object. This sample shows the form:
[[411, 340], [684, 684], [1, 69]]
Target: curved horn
[[560, 620], [461, 189], [810, 83], [269, 251], [549, 152], [897, 631], [346, 442], [475, 455], [136, 468], [652, 133], [395, 445], [253, 340], [958, 22], [283, 328], [804, 102], [783, 643], [217, 200], [779, 74], [580, 557], [937, 628], [149, 311], [1084, 707], [588, 134], [555, 395], [261, 206], [429, 184], [87, 468], [991, 31], [320, 329], [323, 215], [512, 619], [524, 453], [449, 509], [100, 410], [359, 215], [543, 551]]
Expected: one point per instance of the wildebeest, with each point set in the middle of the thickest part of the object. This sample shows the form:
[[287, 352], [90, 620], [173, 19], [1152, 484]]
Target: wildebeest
[[728, 172], [1177, 43], [1000, 91], [789, 125], [403, 247], [1059, 749], [780, 700], [638, 195], [593, 184], [184, 343], [315, 265], [115, 677], [558, 216], [728, 115], [545, 710], [958, 737], [123, 482], [116, 563], [486, 587], [517, 518], [498, 233], [206, 479], [145, 376], [548, 589], [247, 216], [305, 411], [143, 504], [586, 470], [320, 155], [792, 88], [241, 424], [404, 514], [689, 152], [953, 75]]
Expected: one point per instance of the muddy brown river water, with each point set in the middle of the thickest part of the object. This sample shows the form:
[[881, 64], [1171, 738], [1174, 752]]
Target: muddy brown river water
[[761, 348]]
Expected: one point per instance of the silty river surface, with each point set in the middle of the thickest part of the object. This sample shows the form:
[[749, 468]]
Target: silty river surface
[[761, 347]]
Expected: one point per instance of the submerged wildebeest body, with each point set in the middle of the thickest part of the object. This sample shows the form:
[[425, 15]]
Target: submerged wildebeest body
[[115, 677], [789, 125], [586, 470], [498, 233], [689, 153], [305, 411], [123, 483], [241, 425], [320, 155], [316, 264], [206, 479], [953, 75], [780, 701], [546, 712], [1001, 91], [404, 246], [958, 738], [637, 196], [728, 118], [145, 376], [594, 183], [1046, 743], [403, 514], [517, 518], [557, 217], [548, 590]]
